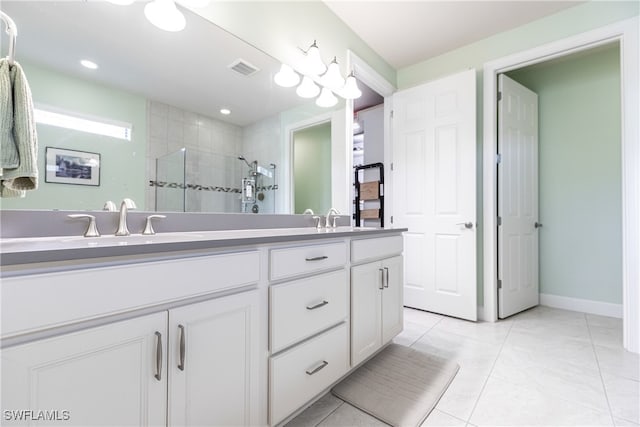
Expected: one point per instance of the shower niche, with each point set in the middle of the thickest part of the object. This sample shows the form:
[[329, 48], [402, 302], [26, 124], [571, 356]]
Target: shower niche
[[189, 180]]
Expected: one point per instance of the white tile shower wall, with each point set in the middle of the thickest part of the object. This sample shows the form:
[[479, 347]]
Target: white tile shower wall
[[171, 128], [263, 141]]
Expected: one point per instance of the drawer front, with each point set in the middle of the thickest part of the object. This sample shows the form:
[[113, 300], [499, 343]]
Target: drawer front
[[291, 262], [301, 373], [376, 248], [117, 289], [304, 307]]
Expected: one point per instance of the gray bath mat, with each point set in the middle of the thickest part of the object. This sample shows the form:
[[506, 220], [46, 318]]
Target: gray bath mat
[[399, 386]]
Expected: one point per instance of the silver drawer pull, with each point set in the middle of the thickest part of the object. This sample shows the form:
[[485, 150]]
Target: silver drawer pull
[[318, 305], [317, 258], [317, 368]]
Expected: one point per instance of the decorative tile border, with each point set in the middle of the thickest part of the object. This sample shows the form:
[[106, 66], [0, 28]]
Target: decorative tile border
[[164, 184]]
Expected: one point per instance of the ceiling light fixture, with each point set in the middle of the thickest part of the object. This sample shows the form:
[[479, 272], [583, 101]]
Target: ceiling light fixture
[[307, 89], [316, 76], [88, 64], [286, 77], [165, 15], [121, 2], [326, 99]]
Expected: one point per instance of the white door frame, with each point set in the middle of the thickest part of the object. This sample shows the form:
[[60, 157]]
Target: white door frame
[[289, 130], [369, 76], [626, 32]]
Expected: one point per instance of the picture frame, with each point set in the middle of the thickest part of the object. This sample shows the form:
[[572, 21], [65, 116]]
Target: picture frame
[[64, 166]]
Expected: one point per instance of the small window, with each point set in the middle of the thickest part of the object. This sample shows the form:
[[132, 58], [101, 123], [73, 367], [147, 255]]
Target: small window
[[80, 122]]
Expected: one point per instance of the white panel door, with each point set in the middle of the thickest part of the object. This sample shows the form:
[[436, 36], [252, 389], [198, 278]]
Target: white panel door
[[517, 198], [113, 375], [434, 157], [213, 362]]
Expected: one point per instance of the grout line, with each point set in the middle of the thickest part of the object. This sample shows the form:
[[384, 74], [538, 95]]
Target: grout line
[[484, 385], [426, 332], [604, 388], [331, 413]]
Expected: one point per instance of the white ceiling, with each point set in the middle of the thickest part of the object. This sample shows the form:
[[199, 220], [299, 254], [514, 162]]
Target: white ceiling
[[407, 32]]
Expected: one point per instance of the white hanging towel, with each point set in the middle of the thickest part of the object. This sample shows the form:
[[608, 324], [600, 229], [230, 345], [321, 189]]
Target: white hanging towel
[[21, 135]]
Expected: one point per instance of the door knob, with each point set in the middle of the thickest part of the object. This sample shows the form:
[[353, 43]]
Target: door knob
[[537, 225], [468, 225]]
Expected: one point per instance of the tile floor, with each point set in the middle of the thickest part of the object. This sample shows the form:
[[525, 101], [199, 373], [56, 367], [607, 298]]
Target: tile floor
[[544, 367]]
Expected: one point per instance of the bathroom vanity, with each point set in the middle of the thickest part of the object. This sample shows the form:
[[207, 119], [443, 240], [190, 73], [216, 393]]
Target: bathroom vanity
[[239, 327]]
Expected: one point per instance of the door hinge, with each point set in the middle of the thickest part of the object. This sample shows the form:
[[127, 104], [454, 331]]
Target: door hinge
[[498, 158], [499, 284], [391, 219], [499, 221], [499, 96], [391, 114], [391, 166]]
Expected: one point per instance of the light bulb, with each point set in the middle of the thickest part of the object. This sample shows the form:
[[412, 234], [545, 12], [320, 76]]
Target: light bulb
[[351, 90], [165, 15], [332, 78], [313, 61], [326, 98], [307, 89], [286, 77], [121, 2]]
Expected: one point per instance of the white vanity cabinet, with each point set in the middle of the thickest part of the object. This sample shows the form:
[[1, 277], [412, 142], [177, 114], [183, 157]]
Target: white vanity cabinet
[[108, 375], [213, 362], [376, 295], [308, 324], [186, 364]]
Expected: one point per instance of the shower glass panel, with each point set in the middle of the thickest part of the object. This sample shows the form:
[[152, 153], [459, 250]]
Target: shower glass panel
[[195, 181]]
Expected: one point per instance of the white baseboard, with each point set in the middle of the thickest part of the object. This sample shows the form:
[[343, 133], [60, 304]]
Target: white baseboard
[[582, 305]]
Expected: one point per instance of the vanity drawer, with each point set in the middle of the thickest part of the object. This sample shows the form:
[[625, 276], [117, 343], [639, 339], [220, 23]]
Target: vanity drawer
[[304, 307], [291, 262], [62, 298], [299, 374], [376, 248]]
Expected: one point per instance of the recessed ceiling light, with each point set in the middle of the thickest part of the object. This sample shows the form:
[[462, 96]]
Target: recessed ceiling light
[[89, 64], [225, 111]]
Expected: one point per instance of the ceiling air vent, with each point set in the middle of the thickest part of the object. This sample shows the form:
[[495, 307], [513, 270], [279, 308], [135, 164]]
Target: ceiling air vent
[[243, 67]]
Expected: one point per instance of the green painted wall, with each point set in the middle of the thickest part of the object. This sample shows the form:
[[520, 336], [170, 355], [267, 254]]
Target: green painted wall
[[580, 174], [312, 169], [122, 162]]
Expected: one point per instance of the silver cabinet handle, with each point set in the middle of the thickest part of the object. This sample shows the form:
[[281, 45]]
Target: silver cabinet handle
[[386, 269], [467, 225], [381, 278], [182, 348], [158, 374], [318, 258], [92, 229], [318, 305], [317, 368], [537, 225]]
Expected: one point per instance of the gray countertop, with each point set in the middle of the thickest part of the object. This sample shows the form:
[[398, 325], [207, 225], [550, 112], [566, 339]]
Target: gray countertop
[[29, 250]]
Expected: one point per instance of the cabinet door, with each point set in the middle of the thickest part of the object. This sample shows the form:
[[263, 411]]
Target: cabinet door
[[213, 362], [366, 284], [108, 375], [392, 319]]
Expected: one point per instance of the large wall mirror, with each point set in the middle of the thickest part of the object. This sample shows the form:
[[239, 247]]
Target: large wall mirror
[[182, 153]]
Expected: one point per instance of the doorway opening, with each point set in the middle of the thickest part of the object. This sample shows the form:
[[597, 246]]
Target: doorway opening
[[576, 176]]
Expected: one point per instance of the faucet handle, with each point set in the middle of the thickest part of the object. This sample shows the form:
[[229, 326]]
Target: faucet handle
[[148, 228], [92, 229], [109, 206], [318, 221]]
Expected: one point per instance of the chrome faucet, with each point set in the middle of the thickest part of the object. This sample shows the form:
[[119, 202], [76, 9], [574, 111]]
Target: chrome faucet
[[122, 221], [327, 222]]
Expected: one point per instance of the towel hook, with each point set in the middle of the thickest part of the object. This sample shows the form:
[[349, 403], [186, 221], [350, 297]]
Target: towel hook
[[12, 31]]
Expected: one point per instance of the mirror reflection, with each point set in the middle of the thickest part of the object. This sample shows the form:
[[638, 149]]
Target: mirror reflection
[[209, 131]]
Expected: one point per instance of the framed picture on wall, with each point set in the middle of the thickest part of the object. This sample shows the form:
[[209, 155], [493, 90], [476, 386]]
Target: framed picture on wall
[[64, 166]]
